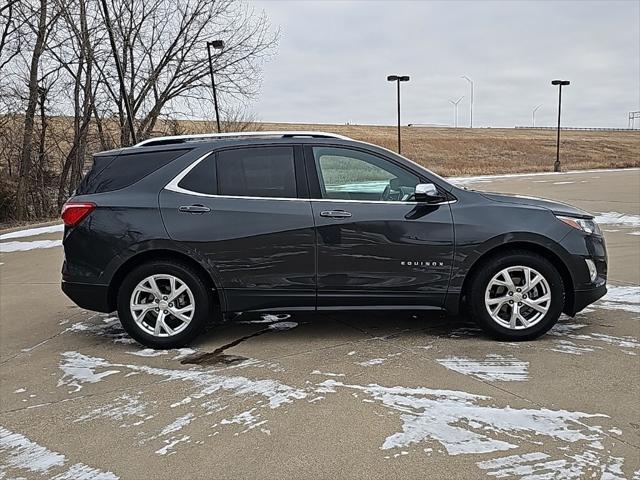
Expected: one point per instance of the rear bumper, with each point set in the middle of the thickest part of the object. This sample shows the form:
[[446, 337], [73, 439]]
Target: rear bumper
[[582, 298], [91, 297]]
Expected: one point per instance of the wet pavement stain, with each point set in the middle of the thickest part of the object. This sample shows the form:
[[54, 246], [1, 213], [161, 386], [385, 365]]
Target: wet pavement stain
[[218, 358]]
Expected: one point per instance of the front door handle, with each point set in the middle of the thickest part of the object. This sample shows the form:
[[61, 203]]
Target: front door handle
[[194, 209], [335, 214]]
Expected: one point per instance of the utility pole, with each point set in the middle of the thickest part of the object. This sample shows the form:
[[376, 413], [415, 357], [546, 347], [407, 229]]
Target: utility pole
[[219, 45], [560, 83], [398, 79]]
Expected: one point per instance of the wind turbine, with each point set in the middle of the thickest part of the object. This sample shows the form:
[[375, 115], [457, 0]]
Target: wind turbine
[[455, 106]]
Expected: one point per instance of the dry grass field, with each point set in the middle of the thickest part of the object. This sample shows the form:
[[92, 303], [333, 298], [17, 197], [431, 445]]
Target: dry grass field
[[463, 151]]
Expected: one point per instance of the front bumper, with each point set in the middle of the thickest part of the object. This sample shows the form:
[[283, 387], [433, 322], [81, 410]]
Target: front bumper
[[89, 296], [583, 298]]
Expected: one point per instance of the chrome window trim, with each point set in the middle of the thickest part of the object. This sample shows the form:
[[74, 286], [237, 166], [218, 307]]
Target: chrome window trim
[[173, 186]]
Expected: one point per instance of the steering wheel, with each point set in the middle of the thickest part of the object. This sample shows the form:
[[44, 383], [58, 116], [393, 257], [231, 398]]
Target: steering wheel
[[386, 193]]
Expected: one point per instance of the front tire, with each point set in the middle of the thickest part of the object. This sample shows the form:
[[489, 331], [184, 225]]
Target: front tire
[[164, 304], [518, 295]]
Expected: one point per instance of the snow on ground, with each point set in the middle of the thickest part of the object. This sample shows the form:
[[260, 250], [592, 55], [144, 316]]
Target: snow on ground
[[18, 454], [30, 232], [491, 368], [621, 297], [15, 246], [618, 219]]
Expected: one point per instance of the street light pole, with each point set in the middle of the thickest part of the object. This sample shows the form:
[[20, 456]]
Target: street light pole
[[471, 100], [533, 115], [219, 45], [398, 79], [455, 106], [560, 83]]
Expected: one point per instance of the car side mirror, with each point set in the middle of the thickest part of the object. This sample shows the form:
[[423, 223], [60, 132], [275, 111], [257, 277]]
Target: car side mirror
[[427, 192]]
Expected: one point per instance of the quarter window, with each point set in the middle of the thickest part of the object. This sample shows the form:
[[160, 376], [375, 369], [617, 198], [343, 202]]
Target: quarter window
[[257, 172], [346, 174]]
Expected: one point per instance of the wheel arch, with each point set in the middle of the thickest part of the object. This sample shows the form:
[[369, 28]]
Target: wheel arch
[[549, 254], [159, 254]]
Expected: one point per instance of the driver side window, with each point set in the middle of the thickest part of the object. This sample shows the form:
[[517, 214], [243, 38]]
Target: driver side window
[[346, 174]]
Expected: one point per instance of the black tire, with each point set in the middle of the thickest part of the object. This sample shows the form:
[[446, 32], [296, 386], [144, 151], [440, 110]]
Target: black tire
[[202, 296], [489, 268]]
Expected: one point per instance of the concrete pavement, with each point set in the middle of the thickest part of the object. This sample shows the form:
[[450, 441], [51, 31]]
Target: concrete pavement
[[375, 395]]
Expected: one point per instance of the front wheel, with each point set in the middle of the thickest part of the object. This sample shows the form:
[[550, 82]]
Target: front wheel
[[516, 296], [164, 304]]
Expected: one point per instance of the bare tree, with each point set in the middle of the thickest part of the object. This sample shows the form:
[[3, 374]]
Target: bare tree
[[61, 98], [163, 52]]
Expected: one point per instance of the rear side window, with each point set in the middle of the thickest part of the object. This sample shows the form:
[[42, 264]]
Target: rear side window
[[114, 173], [202, 177], [257, 172]]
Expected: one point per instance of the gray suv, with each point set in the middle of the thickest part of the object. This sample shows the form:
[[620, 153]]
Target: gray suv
[[176, 228]]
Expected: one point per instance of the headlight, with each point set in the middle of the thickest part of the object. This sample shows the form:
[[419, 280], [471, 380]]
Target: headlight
[[585, 224]]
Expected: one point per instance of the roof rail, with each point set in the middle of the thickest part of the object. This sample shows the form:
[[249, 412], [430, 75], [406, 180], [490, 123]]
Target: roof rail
[[170, 140]]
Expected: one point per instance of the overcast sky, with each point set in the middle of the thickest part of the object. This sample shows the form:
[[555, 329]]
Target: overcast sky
[[334, 56]]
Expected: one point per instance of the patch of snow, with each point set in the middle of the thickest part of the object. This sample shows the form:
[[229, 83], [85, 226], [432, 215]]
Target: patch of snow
[[491, 368], [621, 298], [148, 352], [373, 361], [30, 232], [618, 219], [245, 419], [281, 326], [461, 422], [79, 368], [110, 328], [327, 374], [562, 183], [268, 318], [122, 408], [183, 352], [172, 443], [19, 453], [14, 246], [567, 346], [630, 233], [20, 390], [540, 465], [178, 424]]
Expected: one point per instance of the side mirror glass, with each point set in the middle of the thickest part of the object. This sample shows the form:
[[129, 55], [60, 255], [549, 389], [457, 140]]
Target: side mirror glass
[[427, 192]]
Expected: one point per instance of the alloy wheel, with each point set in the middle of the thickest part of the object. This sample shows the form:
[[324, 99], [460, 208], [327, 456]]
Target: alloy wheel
[[518, 297], [162, 305]]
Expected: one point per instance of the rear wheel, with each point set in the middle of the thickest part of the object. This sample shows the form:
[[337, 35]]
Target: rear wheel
[[164, 304], [518, 295]]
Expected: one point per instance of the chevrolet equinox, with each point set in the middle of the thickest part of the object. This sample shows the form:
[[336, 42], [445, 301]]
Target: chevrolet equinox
[[171, 230]]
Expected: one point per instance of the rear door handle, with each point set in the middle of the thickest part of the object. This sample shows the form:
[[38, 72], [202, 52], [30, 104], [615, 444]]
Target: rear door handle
[[194, 209], [335, 214]]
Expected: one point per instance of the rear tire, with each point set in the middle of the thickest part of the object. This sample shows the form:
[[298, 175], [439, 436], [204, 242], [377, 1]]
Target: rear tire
[[517, 295], [164, 304]]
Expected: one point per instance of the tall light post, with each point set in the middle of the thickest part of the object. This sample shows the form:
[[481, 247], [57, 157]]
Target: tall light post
[[218, 45], [455, 109], [471, 100], [533, 115], [398, 79], [560, 83]]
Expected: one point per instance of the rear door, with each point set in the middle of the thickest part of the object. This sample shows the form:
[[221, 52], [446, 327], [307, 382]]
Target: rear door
[[246, 211], [376, 245]]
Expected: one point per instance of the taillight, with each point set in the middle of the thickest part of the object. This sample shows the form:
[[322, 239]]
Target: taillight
[[74, 212]]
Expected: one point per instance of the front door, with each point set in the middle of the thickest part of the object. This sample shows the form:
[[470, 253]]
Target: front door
[[376, 246], [245, 211]]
